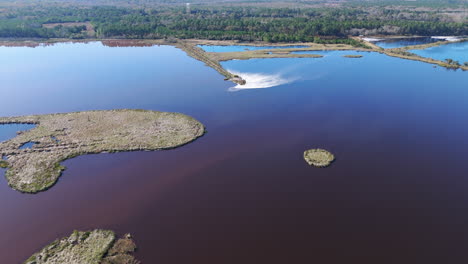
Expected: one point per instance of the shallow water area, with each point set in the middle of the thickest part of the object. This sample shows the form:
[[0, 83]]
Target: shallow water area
[[27, 145], [243, 192], [9, 131]]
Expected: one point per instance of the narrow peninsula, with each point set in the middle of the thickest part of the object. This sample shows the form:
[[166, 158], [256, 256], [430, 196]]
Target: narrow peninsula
[[58, 137], [90, 247]]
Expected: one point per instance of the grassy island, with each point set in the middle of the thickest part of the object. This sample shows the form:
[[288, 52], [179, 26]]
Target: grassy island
[[90, 247], [318, 157], [58, 137]]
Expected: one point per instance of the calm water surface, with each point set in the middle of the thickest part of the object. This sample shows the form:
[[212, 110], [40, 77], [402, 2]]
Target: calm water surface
[[9, 131], [243, 193], [455, 51], [214, 48]]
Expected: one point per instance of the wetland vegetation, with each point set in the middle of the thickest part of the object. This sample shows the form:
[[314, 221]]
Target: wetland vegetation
[[87, 247], [59, 137], [318, 157]]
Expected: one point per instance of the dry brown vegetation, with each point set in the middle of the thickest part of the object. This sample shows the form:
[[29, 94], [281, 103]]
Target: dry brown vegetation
[[58, 137], [90, 247], [318, 157]]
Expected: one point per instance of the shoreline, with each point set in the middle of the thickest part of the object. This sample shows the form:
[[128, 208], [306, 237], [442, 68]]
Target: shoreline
[[213, 59], [403, 53]]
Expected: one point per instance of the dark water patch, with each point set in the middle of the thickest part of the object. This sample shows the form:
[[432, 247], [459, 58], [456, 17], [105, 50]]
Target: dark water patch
[[403, 42]]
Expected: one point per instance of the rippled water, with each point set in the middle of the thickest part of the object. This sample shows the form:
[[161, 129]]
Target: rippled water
[[243, 193]]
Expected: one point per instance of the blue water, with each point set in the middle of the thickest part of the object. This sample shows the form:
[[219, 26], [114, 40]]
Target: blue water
[[126, 77], [403, 42], [9, 131], [27, 145], [455, 51], [272, 73], [241, 192], [210, 48]]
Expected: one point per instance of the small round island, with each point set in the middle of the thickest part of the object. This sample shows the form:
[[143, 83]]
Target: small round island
[[318, 157]]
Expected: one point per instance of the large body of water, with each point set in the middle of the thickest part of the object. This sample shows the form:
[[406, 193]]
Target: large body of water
[[397, 192]]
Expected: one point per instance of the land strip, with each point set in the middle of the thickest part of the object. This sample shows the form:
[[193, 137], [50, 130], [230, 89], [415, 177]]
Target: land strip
[[199, 54], [259, 54]]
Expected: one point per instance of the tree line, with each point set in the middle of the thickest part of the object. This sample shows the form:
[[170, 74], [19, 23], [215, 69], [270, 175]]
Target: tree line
[[323, 25]]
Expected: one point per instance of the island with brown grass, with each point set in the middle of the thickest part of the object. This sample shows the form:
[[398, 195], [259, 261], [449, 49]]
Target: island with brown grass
[[58, 137], [87, 247], [318, 157]]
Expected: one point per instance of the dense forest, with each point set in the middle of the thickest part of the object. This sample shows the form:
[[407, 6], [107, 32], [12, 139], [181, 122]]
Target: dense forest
[[234, 22]]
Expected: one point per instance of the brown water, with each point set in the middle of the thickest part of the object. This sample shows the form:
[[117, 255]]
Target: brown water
[[243, 193]]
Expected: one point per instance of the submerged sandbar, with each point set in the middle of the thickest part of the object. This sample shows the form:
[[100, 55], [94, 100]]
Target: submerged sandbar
[[58, 137]]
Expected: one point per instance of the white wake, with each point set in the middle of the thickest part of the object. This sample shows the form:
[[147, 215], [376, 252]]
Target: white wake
[[447, 38], [259, 80], [372, 39]]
